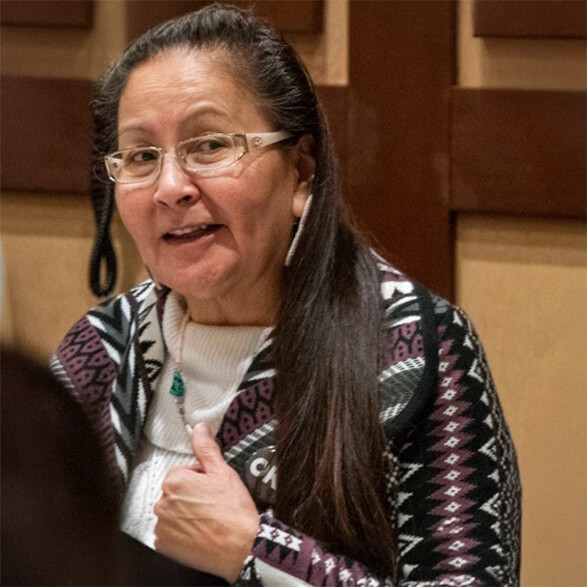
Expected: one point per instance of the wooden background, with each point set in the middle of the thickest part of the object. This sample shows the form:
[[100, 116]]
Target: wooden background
[[415, 148]]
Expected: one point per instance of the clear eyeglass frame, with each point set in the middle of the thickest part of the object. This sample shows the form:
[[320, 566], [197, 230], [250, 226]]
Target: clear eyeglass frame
[[235, 146]]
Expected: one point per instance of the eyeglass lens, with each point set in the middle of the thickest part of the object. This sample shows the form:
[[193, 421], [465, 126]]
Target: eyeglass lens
[[197, 154]]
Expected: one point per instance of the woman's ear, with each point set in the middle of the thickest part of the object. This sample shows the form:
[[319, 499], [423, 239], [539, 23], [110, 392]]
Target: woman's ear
[[306, 166]]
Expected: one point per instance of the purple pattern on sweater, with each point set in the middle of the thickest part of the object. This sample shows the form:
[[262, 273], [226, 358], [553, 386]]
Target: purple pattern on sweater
[[454, 507], [91, 371], [86, 361], [407, 342], [248, 411]]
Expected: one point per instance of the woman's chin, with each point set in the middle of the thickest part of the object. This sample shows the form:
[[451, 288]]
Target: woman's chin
[[202, 287]]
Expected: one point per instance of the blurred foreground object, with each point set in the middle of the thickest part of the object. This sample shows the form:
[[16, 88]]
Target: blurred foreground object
[[58, 516]]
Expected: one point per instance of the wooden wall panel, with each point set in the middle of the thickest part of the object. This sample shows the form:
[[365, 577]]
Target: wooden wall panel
[[531, 18], [46, 134], [401, 69], [519, 152], [287, 15], [42, 13]]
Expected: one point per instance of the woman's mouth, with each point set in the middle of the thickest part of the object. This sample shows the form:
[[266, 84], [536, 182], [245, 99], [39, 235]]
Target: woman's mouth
[[190, 233]]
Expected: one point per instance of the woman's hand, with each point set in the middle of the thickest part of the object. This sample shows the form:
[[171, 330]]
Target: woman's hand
[[206, 517]]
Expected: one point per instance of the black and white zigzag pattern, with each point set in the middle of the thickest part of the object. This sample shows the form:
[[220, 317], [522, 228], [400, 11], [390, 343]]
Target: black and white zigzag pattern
[[129, 341]]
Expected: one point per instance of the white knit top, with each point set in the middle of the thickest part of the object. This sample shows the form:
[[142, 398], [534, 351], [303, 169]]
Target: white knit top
[[214, 362]]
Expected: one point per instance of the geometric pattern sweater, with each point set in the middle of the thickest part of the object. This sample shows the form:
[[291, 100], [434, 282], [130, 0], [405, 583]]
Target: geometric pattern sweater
[[453, 489]]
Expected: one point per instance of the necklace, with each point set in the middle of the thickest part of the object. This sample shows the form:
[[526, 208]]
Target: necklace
[[177, 390]]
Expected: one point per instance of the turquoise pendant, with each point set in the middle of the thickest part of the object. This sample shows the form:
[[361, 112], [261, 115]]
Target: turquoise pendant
[[178, 386]]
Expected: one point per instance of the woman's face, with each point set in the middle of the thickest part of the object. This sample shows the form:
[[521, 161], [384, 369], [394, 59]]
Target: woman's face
[[219, 240]]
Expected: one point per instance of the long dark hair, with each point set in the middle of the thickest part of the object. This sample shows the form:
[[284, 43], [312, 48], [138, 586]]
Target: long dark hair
[[329, 326]]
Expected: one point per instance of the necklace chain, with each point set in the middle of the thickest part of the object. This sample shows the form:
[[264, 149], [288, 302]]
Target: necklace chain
[[177, 390]]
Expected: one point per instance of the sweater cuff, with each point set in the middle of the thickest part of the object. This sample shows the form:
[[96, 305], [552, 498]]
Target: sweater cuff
[[301, 559], [275, 550], [274, 557], [249, 574]]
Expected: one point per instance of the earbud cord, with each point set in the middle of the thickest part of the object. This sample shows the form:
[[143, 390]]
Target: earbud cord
[[296, 239]]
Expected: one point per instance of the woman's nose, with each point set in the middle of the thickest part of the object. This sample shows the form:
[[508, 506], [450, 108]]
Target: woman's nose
[[174, 186]]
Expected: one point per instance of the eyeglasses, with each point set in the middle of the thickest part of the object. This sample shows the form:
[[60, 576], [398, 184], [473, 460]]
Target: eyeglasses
[[200, 155]]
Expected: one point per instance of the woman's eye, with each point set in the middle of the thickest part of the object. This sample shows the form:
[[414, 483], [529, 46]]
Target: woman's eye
[[211, 145], [141, 156], [206, 151]]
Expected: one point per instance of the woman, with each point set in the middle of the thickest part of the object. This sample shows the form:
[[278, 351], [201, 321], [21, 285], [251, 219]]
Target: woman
[[271, 338]]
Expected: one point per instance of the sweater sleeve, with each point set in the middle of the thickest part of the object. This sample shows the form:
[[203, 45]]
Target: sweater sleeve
[[453, 490], [458, 498]]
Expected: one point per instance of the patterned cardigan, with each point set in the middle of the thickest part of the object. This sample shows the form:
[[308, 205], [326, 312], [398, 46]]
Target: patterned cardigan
[[453, 487]]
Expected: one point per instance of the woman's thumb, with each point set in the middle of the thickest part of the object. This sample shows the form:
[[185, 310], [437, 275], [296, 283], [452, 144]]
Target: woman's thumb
[[205, 448]]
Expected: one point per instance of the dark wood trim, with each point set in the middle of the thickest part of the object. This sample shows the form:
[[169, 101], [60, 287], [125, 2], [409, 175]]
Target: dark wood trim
[[288, 16], [402, 66], [48, 121], [141, 15], [519, 152], [561, 19], [48, 13], [334, 100], [46, 134]]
